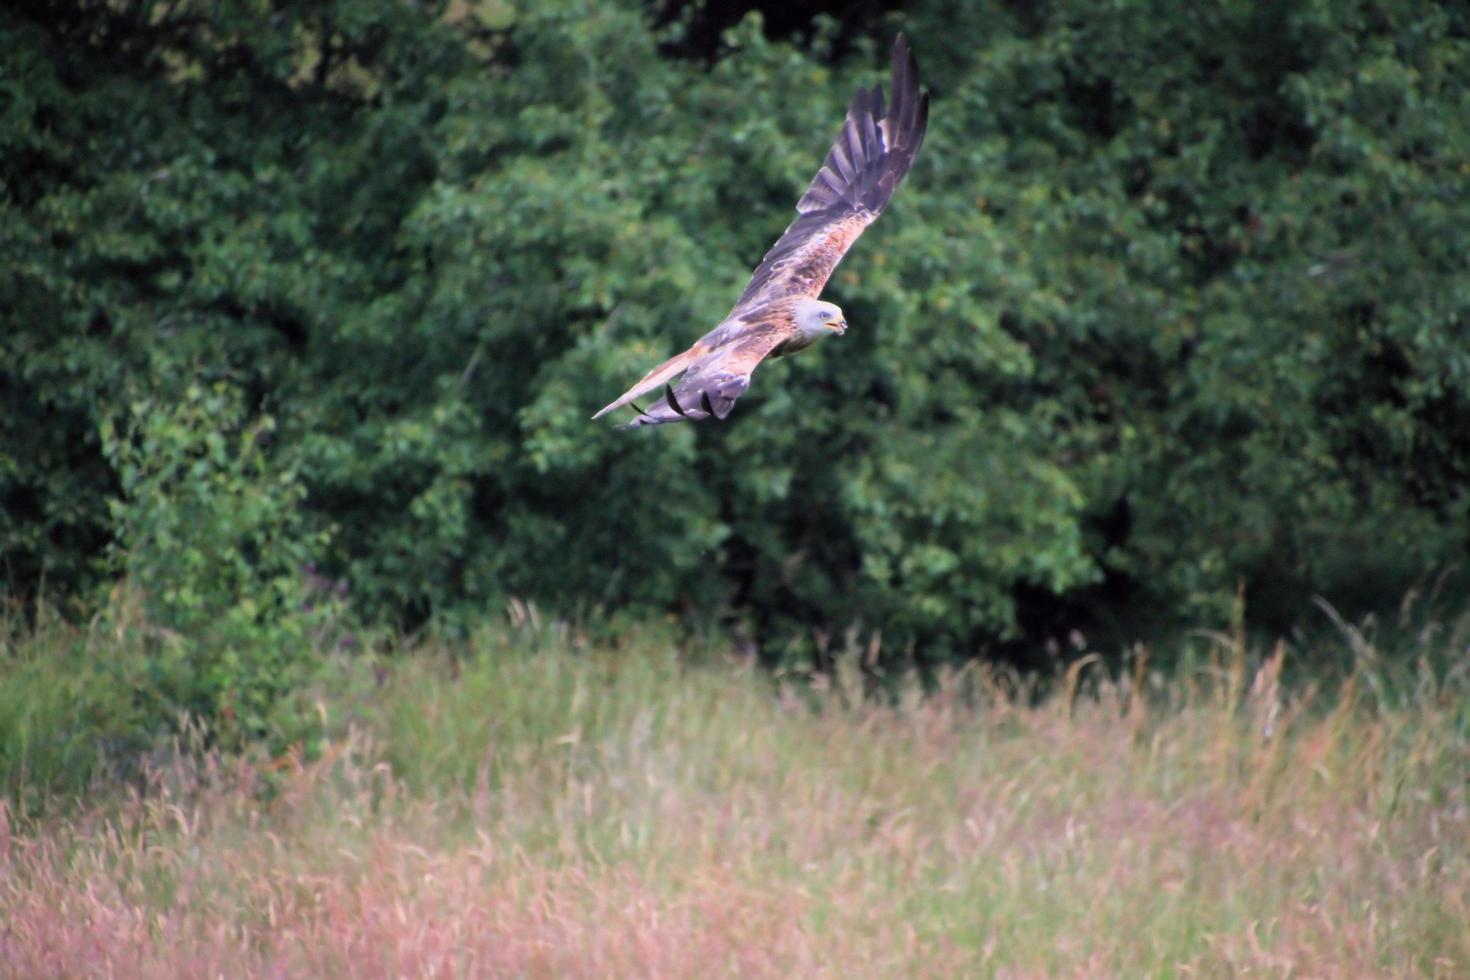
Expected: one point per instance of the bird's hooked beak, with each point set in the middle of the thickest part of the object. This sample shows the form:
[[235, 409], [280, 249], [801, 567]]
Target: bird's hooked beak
[[839, 327]]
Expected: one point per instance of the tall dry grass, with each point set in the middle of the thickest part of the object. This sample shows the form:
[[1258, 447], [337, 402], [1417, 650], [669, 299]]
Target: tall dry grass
[[635, 814]]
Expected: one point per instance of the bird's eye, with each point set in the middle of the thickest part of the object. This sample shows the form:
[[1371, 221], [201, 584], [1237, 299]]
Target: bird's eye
[[824, 315]]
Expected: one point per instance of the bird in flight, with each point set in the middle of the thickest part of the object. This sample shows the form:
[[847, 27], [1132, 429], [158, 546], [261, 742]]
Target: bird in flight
[[779, 312]]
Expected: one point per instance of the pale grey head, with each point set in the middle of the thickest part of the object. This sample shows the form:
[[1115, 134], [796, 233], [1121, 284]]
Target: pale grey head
[[818, 318]]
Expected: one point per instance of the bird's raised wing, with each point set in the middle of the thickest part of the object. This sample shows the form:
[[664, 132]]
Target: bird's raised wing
[[872, 154], [716, 371]]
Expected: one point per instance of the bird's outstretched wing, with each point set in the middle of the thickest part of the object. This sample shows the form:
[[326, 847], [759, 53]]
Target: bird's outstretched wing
[[872, 154]]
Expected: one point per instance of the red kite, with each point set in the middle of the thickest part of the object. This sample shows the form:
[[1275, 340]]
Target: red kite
[[779, 312]]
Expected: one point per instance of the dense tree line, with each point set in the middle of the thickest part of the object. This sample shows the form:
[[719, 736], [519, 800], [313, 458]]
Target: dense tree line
[[1173, 304]]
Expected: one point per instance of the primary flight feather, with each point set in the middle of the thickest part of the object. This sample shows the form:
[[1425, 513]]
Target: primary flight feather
[[779, 313]]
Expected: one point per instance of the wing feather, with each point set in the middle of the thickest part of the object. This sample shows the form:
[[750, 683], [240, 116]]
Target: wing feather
[[872, 153]]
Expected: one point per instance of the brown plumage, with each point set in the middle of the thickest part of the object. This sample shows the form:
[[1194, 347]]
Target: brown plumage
[[778, 313]]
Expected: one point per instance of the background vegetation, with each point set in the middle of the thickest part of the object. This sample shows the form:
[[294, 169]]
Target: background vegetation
[[336, 639], [303, 308]]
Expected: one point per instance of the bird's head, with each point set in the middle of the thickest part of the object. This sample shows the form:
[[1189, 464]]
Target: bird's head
[[816, 318]]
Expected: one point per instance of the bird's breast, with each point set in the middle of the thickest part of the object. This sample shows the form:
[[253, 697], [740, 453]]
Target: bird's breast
[[795, 345]]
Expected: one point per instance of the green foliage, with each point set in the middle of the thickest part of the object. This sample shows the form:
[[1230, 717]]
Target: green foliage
[[209, 540], [1230, 240], [1173, 301]]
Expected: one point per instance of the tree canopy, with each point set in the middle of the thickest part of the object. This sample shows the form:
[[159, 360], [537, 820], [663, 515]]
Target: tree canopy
[[1173, 303]]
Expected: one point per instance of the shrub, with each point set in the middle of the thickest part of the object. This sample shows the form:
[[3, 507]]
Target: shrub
[[212, 560]]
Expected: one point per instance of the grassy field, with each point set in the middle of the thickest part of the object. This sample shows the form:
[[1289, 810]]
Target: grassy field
[[527, 810]]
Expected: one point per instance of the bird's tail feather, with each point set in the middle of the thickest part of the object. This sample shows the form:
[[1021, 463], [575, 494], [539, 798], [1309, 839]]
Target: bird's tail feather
[[700, 399], [660, 375]]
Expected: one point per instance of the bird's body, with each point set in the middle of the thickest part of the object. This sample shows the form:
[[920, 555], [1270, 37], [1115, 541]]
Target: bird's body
[[779, 313]]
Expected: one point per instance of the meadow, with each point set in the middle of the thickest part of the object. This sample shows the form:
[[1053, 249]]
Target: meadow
[[531, 804]]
